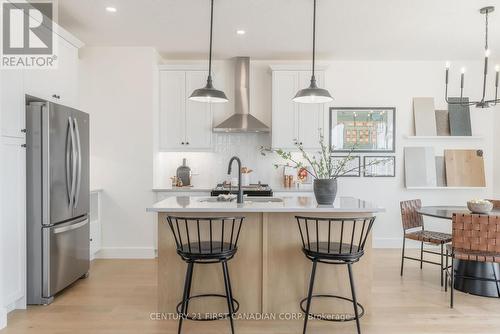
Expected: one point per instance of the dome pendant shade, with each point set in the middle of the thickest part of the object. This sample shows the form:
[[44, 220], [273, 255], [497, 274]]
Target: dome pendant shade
[[313, 94], [208, 94]]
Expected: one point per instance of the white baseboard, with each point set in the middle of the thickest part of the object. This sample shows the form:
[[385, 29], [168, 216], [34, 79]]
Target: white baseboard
[[126, 253], [3, 317]]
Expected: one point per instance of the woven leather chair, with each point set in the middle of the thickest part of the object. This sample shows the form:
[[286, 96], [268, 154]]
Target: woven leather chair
[[413, 228], [475, 238]]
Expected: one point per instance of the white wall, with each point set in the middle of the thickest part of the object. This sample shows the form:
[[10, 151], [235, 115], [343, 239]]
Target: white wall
[[357, 84], [118, 91]]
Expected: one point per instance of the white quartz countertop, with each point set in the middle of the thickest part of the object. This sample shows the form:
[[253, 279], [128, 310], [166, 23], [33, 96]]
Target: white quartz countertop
[[305, 189], [289, 204]]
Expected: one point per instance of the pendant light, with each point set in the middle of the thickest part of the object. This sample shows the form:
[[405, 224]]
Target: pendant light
[[313, 94], [209, 94]]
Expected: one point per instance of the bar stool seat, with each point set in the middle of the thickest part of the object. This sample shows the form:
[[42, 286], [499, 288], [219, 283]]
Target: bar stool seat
[[205, 251], [332, 251]]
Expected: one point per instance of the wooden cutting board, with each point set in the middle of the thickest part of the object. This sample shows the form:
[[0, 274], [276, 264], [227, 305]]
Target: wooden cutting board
[[464, 168]]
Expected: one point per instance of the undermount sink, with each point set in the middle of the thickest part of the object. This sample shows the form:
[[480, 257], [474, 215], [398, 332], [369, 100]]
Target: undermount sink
[[246, 199], [263, 199]]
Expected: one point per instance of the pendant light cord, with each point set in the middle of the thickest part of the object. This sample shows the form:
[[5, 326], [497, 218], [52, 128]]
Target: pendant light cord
[[486, 33], [210, 50], [314, 41]]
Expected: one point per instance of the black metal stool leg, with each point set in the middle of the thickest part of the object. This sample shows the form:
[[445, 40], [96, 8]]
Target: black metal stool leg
[[403, 256], [421, 254], [185, 296], [441, 264], [228, 294], [446, 273], [190, 280], [309, 295], [452, 283], [354, 301]]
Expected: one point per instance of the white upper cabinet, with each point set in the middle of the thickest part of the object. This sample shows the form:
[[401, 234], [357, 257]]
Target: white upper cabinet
[[184, 124], [11, 103], [293, 123], [58, 85]]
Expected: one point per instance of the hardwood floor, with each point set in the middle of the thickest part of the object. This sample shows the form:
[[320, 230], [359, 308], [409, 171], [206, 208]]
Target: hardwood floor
[[120, 295]]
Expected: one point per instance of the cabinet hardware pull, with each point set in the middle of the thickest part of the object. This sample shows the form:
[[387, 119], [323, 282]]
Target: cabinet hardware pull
[[182, 143], [23, 130], [187, 143], [23, 145]]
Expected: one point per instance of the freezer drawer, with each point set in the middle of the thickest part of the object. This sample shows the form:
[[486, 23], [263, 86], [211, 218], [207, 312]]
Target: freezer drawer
[[65, 255]]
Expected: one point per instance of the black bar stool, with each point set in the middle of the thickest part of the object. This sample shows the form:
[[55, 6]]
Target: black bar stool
[[333, 241], [205, 241]]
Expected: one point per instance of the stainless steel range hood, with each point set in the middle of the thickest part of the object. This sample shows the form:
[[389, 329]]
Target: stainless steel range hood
[[241, 120]]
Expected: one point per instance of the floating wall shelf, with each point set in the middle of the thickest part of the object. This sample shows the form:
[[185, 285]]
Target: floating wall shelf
[[446, 188], [445, 137]]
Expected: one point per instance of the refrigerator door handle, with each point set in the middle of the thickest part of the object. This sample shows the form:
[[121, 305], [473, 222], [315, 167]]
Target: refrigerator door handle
[[73, 160], [70, 227], [79, 175], [69, 147]]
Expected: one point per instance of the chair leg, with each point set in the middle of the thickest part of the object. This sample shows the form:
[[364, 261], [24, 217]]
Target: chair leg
[[309, 295], [230, 288], [403, 256], [185, 294], [452, 283], [421, 254], [354, 300], [441, 264], [446, 273], [229, 297]]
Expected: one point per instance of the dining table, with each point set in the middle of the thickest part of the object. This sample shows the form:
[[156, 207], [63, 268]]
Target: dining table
[[472, 273]]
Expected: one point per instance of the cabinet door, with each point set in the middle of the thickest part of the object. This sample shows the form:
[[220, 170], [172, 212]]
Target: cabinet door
[[66, 85], [310, 116], [12, 110], [284, 110], [12, 218], [198, 115], [172, 110]]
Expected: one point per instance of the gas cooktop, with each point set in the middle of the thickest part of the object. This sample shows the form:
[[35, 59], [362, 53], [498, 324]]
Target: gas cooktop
[[258, 189]]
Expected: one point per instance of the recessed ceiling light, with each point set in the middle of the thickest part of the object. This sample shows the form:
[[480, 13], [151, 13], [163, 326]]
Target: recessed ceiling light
[[241, 32], [111, 9]]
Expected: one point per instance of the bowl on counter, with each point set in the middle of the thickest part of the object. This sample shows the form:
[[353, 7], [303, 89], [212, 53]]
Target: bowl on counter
[[480, 206]]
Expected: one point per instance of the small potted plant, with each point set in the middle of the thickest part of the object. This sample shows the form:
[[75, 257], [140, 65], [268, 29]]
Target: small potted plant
[[323, 169]]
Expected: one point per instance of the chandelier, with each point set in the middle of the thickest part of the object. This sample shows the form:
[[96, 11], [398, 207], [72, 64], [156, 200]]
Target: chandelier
[[483, 103]]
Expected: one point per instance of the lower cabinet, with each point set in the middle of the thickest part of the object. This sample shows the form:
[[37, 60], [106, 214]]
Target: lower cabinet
[[12, 220], [95, 223]]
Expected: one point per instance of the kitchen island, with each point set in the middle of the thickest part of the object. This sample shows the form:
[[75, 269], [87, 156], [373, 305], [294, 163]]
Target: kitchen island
[[269, 273]]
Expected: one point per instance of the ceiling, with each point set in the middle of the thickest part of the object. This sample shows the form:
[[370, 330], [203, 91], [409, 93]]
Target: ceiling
[[281, 29]]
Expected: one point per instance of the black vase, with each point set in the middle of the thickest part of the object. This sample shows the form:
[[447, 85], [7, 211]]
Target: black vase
[[325, 191]]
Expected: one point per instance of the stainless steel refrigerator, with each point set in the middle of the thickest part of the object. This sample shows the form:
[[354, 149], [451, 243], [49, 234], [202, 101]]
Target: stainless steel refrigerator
[[57, 169]]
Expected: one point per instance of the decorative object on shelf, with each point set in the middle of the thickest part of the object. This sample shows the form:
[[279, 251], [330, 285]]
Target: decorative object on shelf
[[354, 165], [208, 93], [442, 123], [184, 174], [483, 103], [288, 175], [464, 168], [363, 129], [324, 168], [379, 166], [480, 206], [420, 167], [440, 172], [460, 124], [313, 94], [425, 116]]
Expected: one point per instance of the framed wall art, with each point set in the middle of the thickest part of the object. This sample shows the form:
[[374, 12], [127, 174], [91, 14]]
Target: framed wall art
[[363, 129], [352, 167], [379, 166]]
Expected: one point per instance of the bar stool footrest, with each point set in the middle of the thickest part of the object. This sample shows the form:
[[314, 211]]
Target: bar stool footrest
[[361, 309], [222, 315]]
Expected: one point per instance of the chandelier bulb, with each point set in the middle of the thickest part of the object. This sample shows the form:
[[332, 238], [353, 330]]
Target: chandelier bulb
[[487, 53]]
